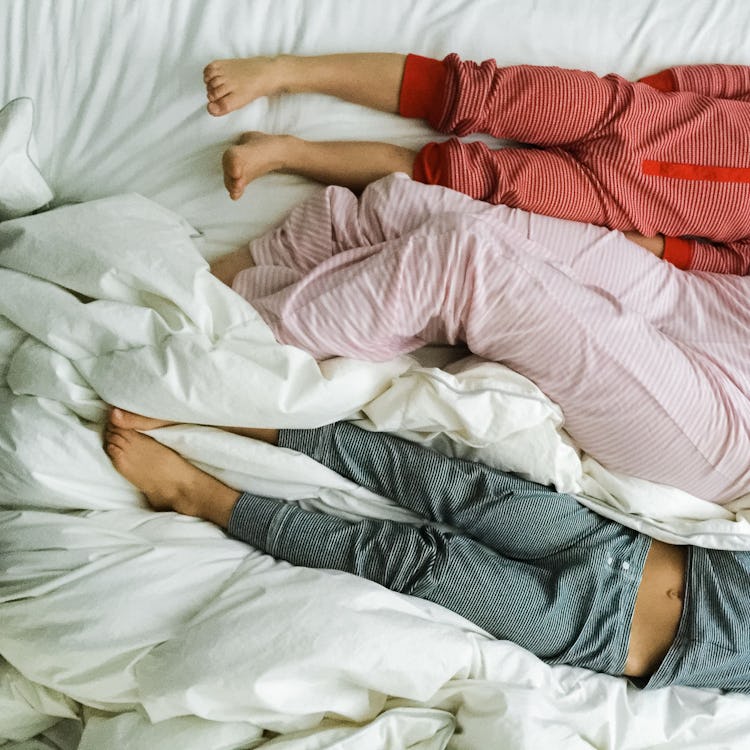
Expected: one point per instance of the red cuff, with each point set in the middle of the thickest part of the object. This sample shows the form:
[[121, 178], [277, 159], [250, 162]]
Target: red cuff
[[664, 81], [678, 251], [422, 87], [431, 165]]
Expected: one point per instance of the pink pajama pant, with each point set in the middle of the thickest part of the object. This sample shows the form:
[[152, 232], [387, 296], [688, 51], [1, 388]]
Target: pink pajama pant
[[650, 364]]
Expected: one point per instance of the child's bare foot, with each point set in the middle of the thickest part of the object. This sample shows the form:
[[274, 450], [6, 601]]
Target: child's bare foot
[[167, 480], [127, 420], [254, 155], [231, 84]]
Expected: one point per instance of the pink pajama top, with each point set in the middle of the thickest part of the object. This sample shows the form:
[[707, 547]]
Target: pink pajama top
[[650, 364]]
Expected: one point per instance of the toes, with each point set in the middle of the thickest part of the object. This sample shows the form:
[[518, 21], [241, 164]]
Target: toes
[[234, 188], [115, 452], [115, 446], [215, 109], [232, 168], [211, 70], [218, 108], [118, 417], [125, 419], [215, 92], [117, 436], [234, 179], [225, 104]]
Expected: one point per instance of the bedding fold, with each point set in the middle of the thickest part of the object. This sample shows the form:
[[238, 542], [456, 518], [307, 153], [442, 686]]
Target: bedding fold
[[115, 615]]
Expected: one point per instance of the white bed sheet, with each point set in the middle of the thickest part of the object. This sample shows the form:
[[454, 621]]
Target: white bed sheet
[[222, 643]]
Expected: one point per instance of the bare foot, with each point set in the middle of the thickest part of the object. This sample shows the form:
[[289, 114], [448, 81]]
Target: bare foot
[[254, 155], [129, 421], [167, 480], [231, 84]]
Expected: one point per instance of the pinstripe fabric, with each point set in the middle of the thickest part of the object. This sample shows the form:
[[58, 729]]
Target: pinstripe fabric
[[528, 564], [718, 81], [650, 365], [712, 646], [598, 133]]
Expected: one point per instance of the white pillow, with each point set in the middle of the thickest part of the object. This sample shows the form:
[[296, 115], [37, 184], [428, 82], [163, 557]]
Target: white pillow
[[22, 187]]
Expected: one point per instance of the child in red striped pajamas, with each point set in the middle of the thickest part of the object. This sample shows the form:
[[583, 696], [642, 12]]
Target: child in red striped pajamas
[[667, 158]]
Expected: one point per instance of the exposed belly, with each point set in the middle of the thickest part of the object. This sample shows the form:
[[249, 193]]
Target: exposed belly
[[658, 608]]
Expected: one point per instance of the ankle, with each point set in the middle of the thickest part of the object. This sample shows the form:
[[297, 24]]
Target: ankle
[[182, 499], [289, 154], [287, 74], [212, 501]]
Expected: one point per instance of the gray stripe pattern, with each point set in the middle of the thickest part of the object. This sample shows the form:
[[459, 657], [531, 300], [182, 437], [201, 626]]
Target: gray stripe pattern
[[525, 563]]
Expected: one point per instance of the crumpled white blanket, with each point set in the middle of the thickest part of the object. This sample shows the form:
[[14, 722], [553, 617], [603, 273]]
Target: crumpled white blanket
[[173, 635], [22, 187]]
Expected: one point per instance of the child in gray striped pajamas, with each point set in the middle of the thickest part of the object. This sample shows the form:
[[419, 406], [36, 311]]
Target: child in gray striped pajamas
[[524, 562]]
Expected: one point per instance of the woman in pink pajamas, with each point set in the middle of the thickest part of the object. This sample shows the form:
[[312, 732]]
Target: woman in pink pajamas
[[650, 365], [668, 157]]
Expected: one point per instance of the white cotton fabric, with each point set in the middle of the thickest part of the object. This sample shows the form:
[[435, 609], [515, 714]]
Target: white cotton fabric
[[22, 187], [271, 646], [154, 629]]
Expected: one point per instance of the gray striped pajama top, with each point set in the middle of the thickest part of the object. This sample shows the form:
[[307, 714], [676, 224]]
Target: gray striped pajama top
[[525, 563]]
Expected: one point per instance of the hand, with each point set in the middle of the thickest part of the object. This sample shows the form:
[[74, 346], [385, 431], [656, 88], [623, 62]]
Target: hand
[[654, 245]]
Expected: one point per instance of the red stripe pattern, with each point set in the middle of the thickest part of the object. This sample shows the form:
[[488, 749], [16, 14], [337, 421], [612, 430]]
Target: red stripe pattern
[[614, 153]]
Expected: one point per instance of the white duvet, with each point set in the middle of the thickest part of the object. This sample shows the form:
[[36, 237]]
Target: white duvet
[[122, 628]]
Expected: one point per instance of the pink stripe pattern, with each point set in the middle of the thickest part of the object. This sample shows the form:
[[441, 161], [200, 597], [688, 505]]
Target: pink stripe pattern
[[650, 364]]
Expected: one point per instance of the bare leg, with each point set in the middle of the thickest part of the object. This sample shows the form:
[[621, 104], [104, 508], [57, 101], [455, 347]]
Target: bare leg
[[226, 267], [370, 79], [654, 244], [353, 164], [119, 419]]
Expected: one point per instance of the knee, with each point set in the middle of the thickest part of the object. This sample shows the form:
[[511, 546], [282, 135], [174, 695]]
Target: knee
[[465, 251], [402, 557]]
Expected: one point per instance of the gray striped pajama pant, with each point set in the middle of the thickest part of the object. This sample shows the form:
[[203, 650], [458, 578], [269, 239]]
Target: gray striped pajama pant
[[525, 563]]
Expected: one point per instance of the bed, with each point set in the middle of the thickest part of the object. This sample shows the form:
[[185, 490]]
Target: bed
[[124, 628]]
